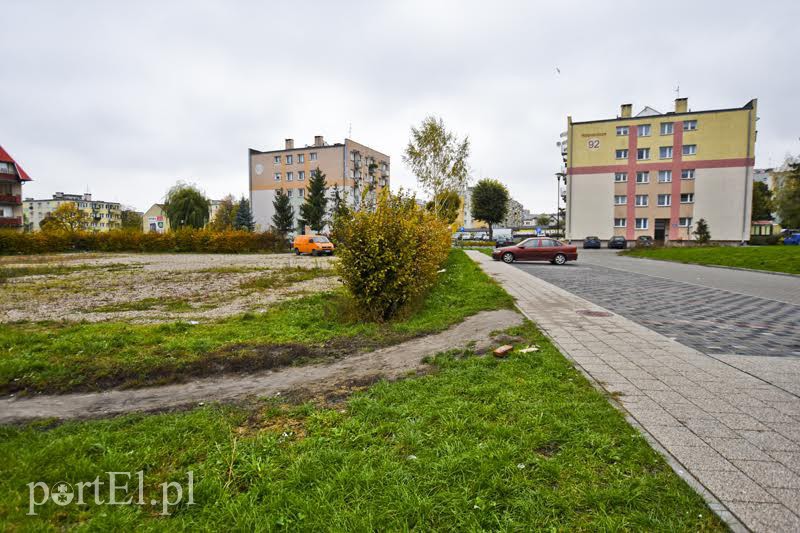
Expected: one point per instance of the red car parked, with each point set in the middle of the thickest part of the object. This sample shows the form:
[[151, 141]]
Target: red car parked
[[537, 249]]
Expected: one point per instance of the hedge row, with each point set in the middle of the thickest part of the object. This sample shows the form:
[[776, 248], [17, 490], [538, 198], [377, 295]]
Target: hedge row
[[184, 240]]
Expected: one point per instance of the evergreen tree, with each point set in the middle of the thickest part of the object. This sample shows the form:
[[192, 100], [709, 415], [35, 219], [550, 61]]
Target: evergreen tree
[[340, 206], [701, 232], [244, 217], [312, 212], [283, 219]]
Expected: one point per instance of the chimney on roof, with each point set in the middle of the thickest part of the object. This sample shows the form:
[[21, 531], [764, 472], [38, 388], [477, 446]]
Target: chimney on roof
[[681, 105], [625, 110], [318, 140], [87, 197], [289, 144]]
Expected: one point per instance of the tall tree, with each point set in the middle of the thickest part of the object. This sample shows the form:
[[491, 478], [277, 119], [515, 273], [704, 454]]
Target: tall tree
[[130, 219], [438, 158], [225, 215], [65, 217], [543, 220], [762, 202], [283, 219], [339, 199], [701, 232], [489, 202], [448, 203], [787, 199], [312, 212], [186, 206], [244, 217]]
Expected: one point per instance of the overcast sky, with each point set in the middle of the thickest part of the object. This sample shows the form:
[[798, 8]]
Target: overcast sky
[[125, 98]]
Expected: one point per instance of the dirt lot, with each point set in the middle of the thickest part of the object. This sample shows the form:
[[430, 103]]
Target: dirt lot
[[150, 288]]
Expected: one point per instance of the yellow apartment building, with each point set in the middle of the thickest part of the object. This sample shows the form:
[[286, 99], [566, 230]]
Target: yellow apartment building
[[102, 215], [352, 167], [657, 174]]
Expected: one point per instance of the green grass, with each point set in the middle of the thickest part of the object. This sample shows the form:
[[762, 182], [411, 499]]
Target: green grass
[[39, 270], [61, 357], [519, 444], [280, 278], [145, 304], [772, 258]]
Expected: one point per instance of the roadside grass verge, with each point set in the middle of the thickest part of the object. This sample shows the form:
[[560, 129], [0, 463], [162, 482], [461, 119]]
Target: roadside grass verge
[[145, 304], [523, 443], [62, 357], [772, 258]]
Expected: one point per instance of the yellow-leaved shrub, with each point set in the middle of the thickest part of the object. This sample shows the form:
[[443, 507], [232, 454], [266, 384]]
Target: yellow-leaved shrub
[[389, 257]]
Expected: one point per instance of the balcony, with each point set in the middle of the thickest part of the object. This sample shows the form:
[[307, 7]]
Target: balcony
[[10, 222], [14, 199]]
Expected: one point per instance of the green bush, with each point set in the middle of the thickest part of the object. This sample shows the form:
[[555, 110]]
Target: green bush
[[389, 257], [183, 240]]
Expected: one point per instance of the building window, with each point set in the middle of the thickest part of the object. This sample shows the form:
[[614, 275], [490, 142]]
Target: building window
[[622, 154], [641, 223], [664, 200], [277, 176], [301, 158], [289, 193], [643, 177], [665, 152], [620, 177], [313, 156], [685, 222], [301, 193], [689, 149], [301, 175], [289, 159], [289, 176], [664, 176], [642, 200], [620, 222], [666, 128], [687, 174], [689, 125], [622, 130], [277, 160], [620, 199], [643, 130], [687, 198], [643, 153]]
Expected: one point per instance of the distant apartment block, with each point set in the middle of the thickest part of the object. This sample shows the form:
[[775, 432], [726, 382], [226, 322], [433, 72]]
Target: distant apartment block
[[351, 167], [657, 174], [11, 179], [101, 215]]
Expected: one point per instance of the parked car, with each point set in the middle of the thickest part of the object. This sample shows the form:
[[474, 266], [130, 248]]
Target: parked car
[[644, 241], [313, 244], [504, 241], [537, 249], [618, 241], [793, 239], [591, 242]]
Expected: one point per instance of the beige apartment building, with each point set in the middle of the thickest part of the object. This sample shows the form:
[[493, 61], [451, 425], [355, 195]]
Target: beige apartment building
[[356, 170], [657, 174], [101, 215], [11, 179]]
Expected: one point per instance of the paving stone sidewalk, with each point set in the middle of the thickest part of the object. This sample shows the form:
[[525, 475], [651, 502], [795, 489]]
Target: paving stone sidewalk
[[736, 435]]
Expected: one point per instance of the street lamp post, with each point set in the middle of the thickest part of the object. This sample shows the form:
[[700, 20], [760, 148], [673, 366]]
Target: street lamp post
[[559, 175]]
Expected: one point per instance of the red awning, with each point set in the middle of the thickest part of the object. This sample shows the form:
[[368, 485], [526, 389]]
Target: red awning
[[6, 158]]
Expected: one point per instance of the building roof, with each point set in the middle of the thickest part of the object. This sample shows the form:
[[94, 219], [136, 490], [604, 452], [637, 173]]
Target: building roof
[[748, 105], [6, 158]]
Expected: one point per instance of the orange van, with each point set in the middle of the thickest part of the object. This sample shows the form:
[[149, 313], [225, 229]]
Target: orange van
[[312, 244]]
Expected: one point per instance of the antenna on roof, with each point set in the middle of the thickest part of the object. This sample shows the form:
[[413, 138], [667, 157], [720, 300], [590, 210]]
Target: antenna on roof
[[350, 130], [678, 90]]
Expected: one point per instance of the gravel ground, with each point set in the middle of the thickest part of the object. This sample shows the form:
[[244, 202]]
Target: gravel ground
[[170, 286]]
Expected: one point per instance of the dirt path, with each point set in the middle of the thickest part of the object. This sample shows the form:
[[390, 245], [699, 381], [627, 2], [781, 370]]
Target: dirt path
[[390, 363]]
